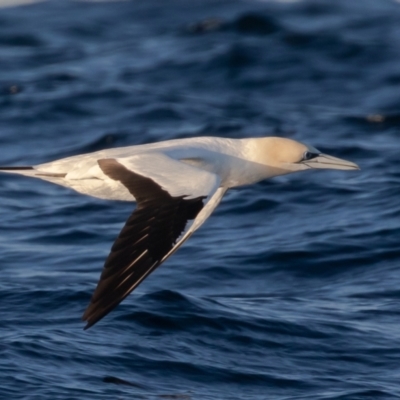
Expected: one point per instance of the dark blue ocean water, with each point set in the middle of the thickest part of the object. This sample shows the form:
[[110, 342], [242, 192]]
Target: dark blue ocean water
[[291, 290]]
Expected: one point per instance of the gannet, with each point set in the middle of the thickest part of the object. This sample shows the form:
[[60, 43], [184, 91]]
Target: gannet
[[176, 184]]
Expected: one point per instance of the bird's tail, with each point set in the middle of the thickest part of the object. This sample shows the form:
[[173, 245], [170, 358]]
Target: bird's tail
[[14, 168], [29, 171]]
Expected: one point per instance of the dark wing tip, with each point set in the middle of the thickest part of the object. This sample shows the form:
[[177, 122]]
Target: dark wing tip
[[87, 326], [87, 318], [90, 322]]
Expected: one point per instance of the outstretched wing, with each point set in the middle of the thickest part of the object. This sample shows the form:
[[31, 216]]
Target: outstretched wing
[[150, 235]]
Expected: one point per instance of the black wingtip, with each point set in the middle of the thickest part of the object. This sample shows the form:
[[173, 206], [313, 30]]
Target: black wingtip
[[86, 327], [89, 323]]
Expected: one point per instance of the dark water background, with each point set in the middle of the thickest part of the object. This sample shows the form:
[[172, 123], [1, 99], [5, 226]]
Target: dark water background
[[292, 289]]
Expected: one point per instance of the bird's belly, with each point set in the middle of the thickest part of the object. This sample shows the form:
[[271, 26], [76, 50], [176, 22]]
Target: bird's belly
[[109, 190]]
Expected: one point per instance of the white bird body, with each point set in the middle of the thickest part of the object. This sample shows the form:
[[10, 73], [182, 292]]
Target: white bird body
[[174, 182], [170, 163]]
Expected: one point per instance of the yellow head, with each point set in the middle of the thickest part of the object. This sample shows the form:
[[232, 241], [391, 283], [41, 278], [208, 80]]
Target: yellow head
[[284, 156]]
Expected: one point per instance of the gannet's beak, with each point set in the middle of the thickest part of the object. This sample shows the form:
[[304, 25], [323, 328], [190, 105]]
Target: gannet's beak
[[323, 161]]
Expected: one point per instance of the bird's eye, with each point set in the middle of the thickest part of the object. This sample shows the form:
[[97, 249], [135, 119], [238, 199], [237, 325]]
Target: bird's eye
[[309, 156]]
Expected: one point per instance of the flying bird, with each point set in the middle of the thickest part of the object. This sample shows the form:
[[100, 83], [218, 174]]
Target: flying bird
[[176, 184]]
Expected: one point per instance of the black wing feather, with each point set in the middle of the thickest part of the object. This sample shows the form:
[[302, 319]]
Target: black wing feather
[[148, 235]]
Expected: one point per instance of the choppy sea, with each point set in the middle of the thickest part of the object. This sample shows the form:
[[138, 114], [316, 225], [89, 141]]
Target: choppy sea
[[291, 290]]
